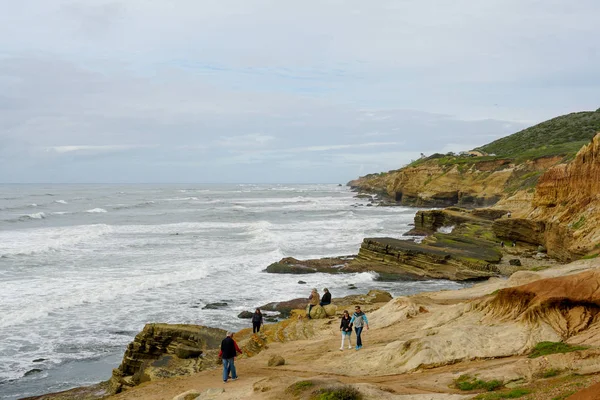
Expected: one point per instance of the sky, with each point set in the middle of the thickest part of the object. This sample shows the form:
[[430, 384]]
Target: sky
[[274, 91]]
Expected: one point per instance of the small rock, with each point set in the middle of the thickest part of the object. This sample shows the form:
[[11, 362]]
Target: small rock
[[301, 282], [245, 314], [32, 371], [189, 395], [214, 306], [39, 360], [275, 361], [515, 261]]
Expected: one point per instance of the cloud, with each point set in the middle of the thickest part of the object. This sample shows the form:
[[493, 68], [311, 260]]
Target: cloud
[[269, 89]]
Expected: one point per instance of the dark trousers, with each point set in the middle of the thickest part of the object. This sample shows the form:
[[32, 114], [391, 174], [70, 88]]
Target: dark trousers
[[358, 332], [255, 327], [310, 308]]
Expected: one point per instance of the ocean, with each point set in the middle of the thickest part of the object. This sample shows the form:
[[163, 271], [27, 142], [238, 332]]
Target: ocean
[[84, 267]]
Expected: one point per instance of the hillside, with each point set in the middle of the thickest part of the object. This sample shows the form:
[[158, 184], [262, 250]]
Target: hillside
[[562, 135], [490, 173]]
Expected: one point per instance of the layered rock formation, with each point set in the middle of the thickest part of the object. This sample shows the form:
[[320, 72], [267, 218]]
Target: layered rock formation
[[442, 256], [470, 183], [164, 350], [567, 202]]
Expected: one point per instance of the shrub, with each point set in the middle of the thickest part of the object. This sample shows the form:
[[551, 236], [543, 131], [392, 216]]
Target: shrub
[[549, 373], [468, 382], [513, 394], [337, 393], [298, 387], [545, 348]]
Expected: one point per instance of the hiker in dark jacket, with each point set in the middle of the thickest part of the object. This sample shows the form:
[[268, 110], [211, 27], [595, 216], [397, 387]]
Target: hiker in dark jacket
[[257, 321], [346, 329], [326, 299], [229, 350]]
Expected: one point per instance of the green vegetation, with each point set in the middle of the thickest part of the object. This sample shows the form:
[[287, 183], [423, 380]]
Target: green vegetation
[[337, 393], [540, 268], [590, 256], [549, 373], [564, 395], [579, 223], [562, 135], [468, 382], [299, 387], [513, 394], [545, 348]]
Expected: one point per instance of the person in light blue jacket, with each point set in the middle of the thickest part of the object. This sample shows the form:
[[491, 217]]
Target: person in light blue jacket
[[359, 320]]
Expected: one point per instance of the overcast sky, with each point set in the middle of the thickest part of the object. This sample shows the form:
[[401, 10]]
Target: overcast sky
[[278, 90]]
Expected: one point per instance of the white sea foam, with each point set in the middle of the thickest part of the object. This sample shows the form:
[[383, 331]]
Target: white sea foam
[[32, 241], [40, 215], [96, 210], [61, 201]]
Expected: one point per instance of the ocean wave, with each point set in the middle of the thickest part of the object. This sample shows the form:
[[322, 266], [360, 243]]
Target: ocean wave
[[181, 199], [131, 206], [96, 210], [60, 202], [26, 217], [25, 242]]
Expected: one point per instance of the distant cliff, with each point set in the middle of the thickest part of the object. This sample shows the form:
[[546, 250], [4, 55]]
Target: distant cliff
[[508, 168]]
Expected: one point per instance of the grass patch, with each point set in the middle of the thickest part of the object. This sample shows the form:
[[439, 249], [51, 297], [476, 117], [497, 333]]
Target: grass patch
[[545, 348], [337, 393], [579, 223], [513, 394], [468, 382], [540, 268], [549, 373], [590, 256], [299, 387], [564, 395]]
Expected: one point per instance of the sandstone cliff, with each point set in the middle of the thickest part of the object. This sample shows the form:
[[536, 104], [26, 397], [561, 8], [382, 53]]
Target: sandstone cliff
[[564, 213], [465, 181]]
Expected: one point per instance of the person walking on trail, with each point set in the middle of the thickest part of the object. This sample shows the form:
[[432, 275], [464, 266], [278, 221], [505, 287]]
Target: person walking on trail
[[257, 321], [346, 329], [326, 299], [229, 350], [313, 300], [359, 319]]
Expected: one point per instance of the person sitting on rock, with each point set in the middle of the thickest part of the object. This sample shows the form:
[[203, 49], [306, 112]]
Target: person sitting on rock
[[326, 299], [313, 300], [257, 321], [229, 350]]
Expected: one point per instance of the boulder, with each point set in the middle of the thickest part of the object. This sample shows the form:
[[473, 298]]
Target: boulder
[[214, 306], [330, 309], [317, 312], [515, 261], [245, 314], [276, 360]]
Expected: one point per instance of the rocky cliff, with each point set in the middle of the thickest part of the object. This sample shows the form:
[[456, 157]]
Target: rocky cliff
[[567, 202], [464, 181]]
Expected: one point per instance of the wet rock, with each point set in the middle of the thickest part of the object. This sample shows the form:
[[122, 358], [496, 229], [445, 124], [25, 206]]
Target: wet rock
[[39, 360], [214, 306], [32, 372], [290, 265], [301, 283], [285, 307], [245, 314]]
